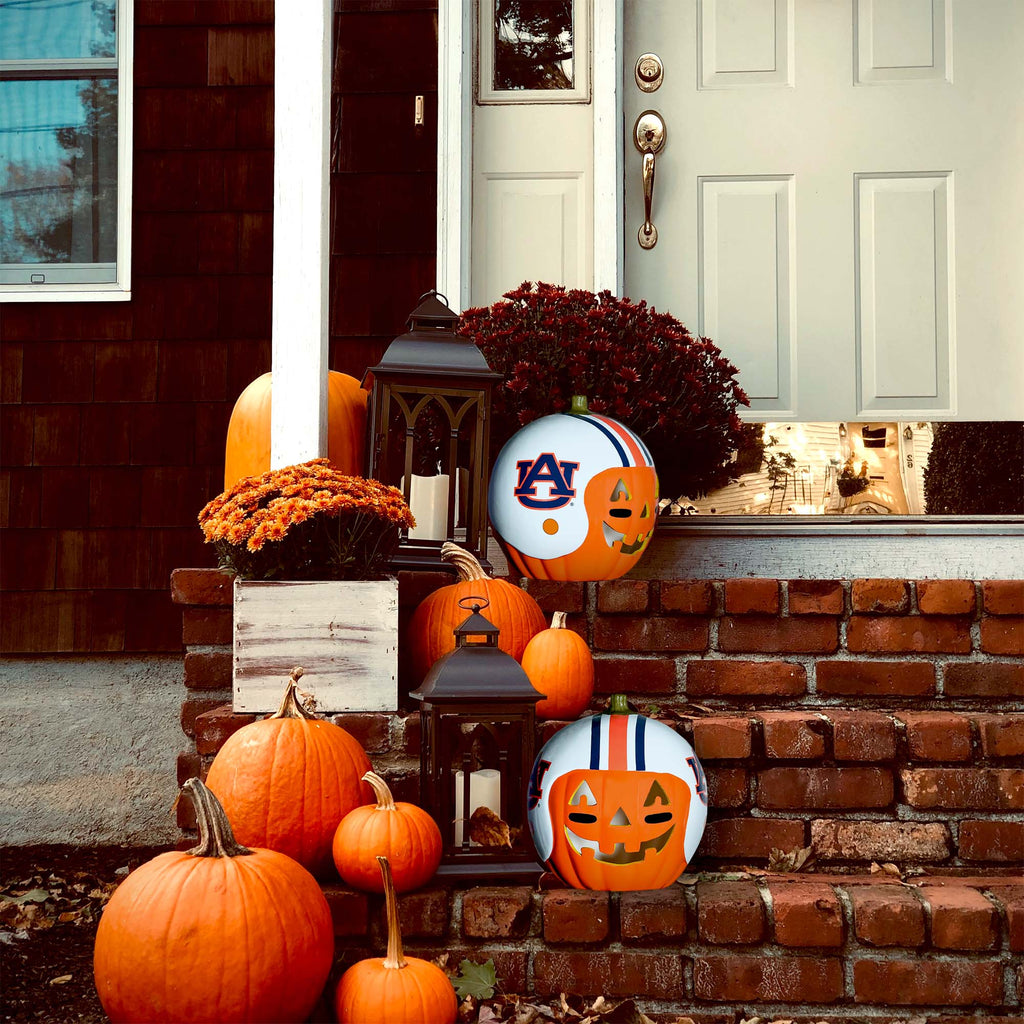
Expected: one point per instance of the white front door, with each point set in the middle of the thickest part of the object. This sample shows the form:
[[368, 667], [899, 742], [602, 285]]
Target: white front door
[[839, 202]]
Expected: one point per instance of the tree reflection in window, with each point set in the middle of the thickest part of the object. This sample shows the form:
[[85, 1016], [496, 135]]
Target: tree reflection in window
[[533, 44]]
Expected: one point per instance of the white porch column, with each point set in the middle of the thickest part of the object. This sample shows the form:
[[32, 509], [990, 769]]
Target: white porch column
[[302, 120]]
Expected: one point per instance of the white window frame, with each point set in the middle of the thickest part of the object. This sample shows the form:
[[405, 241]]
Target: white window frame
[[118, 290]]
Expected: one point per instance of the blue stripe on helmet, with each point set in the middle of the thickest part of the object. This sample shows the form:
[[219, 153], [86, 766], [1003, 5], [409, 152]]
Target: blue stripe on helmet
[[611, 437], [638, 736], [595, 743]]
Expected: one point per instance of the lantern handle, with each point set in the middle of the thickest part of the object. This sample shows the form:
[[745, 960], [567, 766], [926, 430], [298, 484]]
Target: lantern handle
[[473, 607], [436, 294]]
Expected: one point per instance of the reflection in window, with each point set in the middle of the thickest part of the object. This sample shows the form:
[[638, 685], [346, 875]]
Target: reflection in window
[[895, 468], [533, 44], [57, 29]]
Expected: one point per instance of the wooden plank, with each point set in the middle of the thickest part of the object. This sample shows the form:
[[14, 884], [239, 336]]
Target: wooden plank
[[343, 634]]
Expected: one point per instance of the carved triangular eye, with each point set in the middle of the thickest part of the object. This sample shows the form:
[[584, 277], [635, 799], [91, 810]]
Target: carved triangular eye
[[620, 492], [620, 818], [583, 795], [646, 511], [656, 793]]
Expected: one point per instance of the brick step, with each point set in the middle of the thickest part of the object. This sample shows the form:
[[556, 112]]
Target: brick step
[[774, 945]]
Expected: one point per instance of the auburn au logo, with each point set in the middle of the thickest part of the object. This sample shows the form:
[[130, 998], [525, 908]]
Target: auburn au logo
[[545, 469]]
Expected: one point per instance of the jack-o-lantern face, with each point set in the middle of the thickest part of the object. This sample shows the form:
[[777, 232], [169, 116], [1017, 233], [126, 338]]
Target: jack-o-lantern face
[[619, 827], [622, 506]]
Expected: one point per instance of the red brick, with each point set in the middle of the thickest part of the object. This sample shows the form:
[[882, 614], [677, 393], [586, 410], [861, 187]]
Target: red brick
[[497, 912], [745, 838], [793, 735], [771, 979], [553, 596], [815, 597], [202, 586], [946, 597], [749, 596], [937, 736], [616, 596], [634, 675], [208, 670], [372, 730], [653, 916], [767, 634], [349, 910], [875, 678], [745, 679], [409, 735], [190, 766], [961, 918], [835, 788], [887, 915], [917, 634], [719, 737], [905, 842], [727, 787], [191, 709], [880, 597], [1003, 597], [992, 841], [730, 913], [1003, 635], [984, 679], [206, 625], [1012, 900], [424, 913], [575, 915], [1001, 735], [806, 914], [687, 597], [213, 727], [862, 735], [997, 789], [639, 975], [919, 982], [630, 633]]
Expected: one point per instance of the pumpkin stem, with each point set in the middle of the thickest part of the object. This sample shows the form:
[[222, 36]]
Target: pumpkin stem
[[619, 704], [291, 706], [558, 620], [395, 959], [215, 836], [465, 563], [578, 405], [385, 801]]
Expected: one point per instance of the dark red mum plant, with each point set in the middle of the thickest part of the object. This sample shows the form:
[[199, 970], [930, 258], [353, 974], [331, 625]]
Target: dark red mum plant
[[675, 389]]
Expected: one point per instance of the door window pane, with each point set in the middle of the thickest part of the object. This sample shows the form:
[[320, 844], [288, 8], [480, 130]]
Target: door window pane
[[533, 44], [883, 468], [58, 172], [57, 29]]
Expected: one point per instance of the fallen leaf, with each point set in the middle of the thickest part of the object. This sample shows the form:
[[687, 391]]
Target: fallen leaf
[[794, 860], [885, 869], [33, 896], [62, 980], [487, 1015], [487, 829], [477, 980]]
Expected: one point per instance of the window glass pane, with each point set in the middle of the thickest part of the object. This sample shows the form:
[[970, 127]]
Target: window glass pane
[[533, 44], [904, 468], [57, 29], [58, 171]]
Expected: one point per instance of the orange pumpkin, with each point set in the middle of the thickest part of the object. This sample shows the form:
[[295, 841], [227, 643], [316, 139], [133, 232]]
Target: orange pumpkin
[[216, 933], [511, 609], [287, 780], [247, 451], [559, 664], [534, 503], [397, 989], [404, 833], [617, 801]]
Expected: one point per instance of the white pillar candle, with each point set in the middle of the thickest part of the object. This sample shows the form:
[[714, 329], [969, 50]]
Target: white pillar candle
[[428, 500], [484, 791]]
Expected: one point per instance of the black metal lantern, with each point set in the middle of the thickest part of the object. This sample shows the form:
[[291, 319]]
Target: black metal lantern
[[429, 434], [477, 717]]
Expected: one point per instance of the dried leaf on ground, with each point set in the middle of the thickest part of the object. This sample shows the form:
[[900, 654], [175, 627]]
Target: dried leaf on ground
[[885, 869], [62, 979], [487, 829], [476, 980], [794, 860]]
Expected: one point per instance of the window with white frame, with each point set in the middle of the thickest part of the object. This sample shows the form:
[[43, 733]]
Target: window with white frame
[[64, 148]]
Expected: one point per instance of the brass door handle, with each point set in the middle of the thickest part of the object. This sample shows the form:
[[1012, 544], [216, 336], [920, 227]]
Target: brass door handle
[[648, 137]]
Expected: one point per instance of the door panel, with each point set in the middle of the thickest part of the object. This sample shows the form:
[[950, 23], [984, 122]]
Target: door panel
[[838, 200]]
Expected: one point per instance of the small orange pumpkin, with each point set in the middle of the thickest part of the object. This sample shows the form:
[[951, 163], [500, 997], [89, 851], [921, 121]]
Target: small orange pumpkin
[[287, 780], [397, 989], [560, 665], [182, 930], [431, 630], [247, 450], [404, 833]]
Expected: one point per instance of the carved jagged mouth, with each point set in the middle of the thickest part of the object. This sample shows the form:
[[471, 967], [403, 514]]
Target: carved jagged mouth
[[611, 536], [620, 855]]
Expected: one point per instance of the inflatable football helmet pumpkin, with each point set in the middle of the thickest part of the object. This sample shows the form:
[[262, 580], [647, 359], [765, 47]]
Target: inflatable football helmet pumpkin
[[617, 801], [574, 496]]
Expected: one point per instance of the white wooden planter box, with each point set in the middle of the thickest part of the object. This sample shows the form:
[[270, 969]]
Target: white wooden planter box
[[344, 634]]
